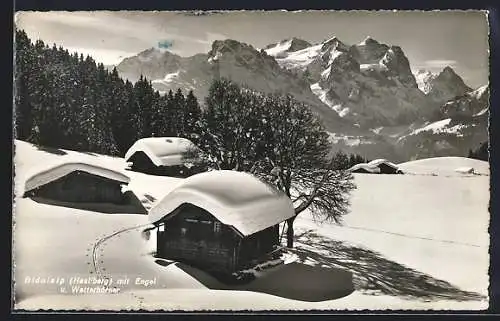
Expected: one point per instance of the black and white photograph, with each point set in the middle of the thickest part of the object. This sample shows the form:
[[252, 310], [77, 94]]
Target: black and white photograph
[[251, 160]]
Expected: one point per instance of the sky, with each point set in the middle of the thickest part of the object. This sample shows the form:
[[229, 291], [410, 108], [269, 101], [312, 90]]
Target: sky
[[431, 40]]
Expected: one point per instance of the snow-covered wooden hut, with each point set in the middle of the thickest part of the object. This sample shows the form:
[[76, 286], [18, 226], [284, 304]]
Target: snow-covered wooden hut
[[220, 220], [168, 156], [77, 183], [377, 166]]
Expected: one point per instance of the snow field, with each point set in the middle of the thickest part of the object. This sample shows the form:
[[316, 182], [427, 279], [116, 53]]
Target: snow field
[[414, 241]]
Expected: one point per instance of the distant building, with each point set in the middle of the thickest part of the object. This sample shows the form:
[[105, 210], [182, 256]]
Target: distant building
[[377, 166], [77, 183], [166, 156], [220, 220]]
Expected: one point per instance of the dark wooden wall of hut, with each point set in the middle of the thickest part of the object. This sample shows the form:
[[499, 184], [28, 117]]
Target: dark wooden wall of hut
[[258, 244], [386, 169], [81, 187], [195, 236], [143, 164]]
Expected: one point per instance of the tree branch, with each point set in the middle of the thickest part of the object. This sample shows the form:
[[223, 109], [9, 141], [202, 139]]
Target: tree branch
[[311, 196]]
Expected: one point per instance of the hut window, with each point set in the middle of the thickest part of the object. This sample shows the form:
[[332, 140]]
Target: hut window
[[216, 227], [161, 228]]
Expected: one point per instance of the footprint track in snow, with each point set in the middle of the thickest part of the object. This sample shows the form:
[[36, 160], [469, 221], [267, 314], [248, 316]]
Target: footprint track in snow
[[98, 256]]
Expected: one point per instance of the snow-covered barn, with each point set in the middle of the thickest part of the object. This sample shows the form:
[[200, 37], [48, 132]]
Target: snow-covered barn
[[168, 156], [220, 220], [377, 166], [78, 183]]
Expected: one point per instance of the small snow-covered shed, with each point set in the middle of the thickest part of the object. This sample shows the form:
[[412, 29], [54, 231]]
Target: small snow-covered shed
[[77, 182], [364, 168], [465, 170], [168, 156], [220, 220], [377, 166]]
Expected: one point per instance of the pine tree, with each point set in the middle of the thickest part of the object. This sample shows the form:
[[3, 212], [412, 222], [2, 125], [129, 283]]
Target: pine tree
[[342, 161], [178, 113], [144, 99], [23, 108], [169, 116], [191, 117]]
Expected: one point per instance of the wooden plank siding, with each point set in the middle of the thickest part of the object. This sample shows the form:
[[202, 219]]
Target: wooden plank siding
[[195, 236]]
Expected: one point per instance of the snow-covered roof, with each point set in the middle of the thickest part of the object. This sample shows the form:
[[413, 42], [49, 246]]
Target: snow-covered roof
[[373, 166], [237, 199], [369, 168], [57, 171], [378, 162], [163, 151]]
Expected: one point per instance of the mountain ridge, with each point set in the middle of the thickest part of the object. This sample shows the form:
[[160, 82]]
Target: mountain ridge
[[355, 89]]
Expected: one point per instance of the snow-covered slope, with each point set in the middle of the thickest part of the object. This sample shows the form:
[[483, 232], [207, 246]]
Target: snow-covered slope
[[406, 246], [445, 166], [282, 48]]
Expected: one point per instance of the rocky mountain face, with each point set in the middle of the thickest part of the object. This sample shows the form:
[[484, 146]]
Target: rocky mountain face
[[369, 83], [365, 94], [470, 104], [464, 126], [443, 86]]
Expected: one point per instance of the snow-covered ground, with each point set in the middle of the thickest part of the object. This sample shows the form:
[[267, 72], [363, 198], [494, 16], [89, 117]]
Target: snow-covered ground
[[415, 241]]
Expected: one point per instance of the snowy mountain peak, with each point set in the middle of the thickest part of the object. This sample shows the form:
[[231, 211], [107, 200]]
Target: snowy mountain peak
[[448, 72], [283, 47], [424, 79], [154, 63], [342, 61], [368, 41], [334, 43], [298, 44], [240, 53], [441, 86], [449, 75], [229, 45], [369, 51], [154, 53], [481, 92], [396, 62]]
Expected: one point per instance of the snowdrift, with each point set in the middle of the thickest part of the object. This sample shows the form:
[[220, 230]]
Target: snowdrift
[[450, 166]]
